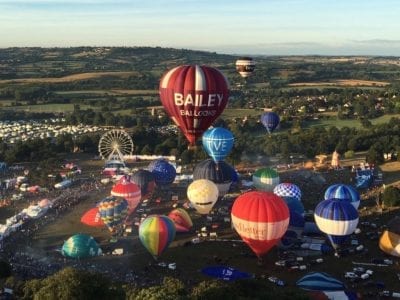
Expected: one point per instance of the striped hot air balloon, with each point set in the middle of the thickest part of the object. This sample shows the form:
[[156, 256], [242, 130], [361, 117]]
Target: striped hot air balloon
[[265, 179], [130, 191], [343, 192], [80, 246], [156, 232], [218, 143], [202, 194], [337, 219], [390, 238], [113, 211], [320, 281], [270, 120], [182, 220], [286, 189], [245, 66], [261, 219], [194, 97]]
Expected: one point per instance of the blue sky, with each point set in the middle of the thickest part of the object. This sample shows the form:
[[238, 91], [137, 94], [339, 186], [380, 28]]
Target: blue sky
[[334, 27]]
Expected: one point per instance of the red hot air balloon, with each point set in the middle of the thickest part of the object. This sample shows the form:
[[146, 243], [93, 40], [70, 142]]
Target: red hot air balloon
[[194, 96], [261, 219], [92, 218], [130, 191]]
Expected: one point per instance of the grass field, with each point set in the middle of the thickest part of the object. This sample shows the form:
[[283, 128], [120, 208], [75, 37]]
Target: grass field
[[341, 83], [116, 92]]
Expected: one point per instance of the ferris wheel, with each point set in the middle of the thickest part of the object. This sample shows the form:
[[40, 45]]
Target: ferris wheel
[[115, 144]]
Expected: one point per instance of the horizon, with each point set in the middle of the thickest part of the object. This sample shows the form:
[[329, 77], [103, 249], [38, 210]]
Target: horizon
[[255, 27]]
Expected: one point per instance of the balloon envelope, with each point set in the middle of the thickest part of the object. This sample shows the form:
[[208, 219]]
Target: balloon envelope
[[218, 143], [245, 66], [202, 194], [389, 241], [164, 172], [113, 211], [270, 120], [343, 192], [156, 233], [92, 218], [130, 191], [220, 173], [337, 219], [181, 219], [265, 179], [145, 180], [261, 219], [194, 96], [80, 246], [286, 189], [320, 281], [225, 273]]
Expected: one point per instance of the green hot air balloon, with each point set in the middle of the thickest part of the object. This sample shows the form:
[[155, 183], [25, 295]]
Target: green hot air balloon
[[80, 246], [265, 179]]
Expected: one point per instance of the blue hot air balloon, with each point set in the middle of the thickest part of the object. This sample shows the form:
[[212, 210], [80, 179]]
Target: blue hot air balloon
[[320, 281], [218, 143], [337, 219], [343, 192], [287, 189], [270, 120], [164, 172]]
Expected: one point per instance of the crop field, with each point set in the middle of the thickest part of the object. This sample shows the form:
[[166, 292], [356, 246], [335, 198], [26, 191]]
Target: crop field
[[342, 83]]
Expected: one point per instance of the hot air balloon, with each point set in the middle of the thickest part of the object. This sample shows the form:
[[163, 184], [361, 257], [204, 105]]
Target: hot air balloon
[[390, 238], [182, 220], [343, 192], [261, 219], [245, 66], [270, 120], [156, 233], [220, 173], [337, 219], [194, 97], [294, 231], [225, 273], [265, 179], [113, 211], [80, 246], [130, 191], [286, 189], [294, 204], [218, 143], [320, 281], [144, 179], [92, 218], [164, 173], [202, 194]]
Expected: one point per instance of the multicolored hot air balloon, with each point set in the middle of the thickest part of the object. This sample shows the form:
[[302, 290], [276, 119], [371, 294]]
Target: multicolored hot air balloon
[[202, 194], [80, 246], [145, 180], [218, 143], [164, 173], [156, 233], [245, 66], [286, 189], [113, 211], [194, 97], [261, 219], [92, 218], [337, 219], [265, 179], [343, 192], [270, 120], [220, 173], [130, 191], [390, 238], [182, 220]]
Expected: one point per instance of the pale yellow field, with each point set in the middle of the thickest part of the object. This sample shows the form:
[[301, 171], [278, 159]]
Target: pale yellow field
[[343, 82], [69, 78]]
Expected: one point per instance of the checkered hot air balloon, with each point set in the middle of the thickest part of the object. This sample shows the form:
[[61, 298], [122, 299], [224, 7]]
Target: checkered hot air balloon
[[156, 233], [343, 192], [337, 219], [286, 189], [113, 211]]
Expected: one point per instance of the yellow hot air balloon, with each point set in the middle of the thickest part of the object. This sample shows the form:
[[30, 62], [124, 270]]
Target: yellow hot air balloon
[[203, 194]]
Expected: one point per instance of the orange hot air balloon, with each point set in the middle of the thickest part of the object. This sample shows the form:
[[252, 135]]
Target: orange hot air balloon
[[194, 96], [261, 219]]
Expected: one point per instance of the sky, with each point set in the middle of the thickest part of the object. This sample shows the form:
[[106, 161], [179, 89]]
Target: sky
[[254, 27]]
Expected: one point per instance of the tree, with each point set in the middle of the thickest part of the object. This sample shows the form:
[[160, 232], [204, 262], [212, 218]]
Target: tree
[[5, 269], [391, 196]]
